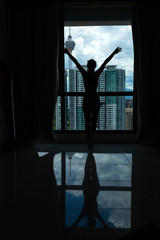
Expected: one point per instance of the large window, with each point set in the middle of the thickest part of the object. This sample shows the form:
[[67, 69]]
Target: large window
[[96, 40]]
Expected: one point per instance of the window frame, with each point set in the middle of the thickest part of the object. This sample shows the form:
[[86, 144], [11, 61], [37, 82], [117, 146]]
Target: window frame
[[70, 21]]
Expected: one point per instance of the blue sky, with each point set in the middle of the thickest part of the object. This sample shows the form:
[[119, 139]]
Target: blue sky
[[98, 42]]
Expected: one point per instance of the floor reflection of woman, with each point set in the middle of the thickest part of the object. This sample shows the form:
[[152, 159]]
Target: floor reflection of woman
[[90, 190]]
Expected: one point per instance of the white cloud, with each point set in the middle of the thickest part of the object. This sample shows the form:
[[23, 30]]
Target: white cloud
[[98, 42]]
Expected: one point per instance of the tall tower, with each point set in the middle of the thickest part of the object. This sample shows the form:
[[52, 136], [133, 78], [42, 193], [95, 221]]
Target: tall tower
[[71, 83], [70, 44]]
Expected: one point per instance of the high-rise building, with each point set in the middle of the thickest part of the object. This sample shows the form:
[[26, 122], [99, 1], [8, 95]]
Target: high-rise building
[[70, 79], [129, 118], [80, 88], [58, 114], [75, 111], [112, 111], [72, 103], [129, 114], [70, 45]]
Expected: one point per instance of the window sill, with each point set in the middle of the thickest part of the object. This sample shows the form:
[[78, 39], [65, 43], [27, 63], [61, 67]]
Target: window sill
[[99, 138]]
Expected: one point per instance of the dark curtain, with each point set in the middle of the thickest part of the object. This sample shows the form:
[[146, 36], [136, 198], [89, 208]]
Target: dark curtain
[[146, 37], [34, 55]]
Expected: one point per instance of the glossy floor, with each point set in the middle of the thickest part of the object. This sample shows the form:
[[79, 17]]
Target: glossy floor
[[64, 190]]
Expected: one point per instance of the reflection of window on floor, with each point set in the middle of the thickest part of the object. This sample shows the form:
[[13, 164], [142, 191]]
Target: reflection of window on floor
[[113, 206], [114, 171], [116, 84]]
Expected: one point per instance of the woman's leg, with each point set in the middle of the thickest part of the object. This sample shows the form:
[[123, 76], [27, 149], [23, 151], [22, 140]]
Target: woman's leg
[[94, 118], [87, 121], [87, 116]]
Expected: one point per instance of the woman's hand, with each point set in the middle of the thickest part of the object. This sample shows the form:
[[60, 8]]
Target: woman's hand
[[66, 50], [117, 50]]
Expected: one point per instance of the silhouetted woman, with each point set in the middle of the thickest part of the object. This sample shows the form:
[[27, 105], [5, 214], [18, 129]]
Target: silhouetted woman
[[91, 102]]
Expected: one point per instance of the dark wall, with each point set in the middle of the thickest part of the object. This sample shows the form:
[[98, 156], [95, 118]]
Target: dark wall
[[6, 125]]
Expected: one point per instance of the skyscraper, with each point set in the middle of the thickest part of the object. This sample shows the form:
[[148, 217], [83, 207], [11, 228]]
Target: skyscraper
[[70, 45], [112, 111], [72, 106], [129, 114], [70, 79], [80, 114], [58, 114]]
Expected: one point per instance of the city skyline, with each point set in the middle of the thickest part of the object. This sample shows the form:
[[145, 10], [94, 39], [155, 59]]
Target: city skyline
[[112, 111], [116, 112]]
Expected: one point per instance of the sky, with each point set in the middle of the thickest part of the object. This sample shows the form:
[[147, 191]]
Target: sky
[[98, 42]]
